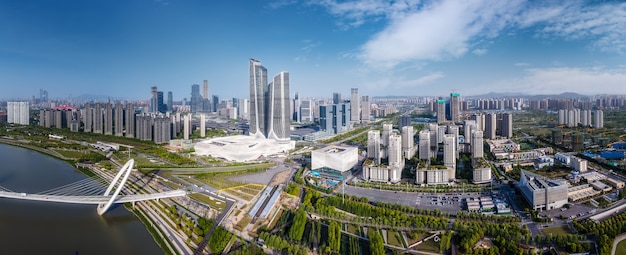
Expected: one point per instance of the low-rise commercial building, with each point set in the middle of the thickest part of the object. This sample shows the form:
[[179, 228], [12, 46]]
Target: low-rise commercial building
[[334, 162], [542, 193]]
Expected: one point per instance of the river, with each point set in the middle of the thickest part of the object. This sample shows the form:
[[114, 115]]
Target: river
[[33, 227]]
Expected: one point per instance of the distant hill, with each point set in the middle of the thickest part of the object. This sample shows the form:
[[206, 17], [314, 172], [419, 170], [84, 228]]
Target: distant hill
[[536, 97]]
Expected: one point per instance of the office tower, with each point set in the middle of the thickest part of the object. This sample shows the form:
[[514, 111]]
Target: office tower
[[269, 104], [407, 142], [279, 108], [205, 89], [196, 99], [507, 125], [598, 119], [162, 130], [118, 122], [365, 109], [43, 95], [424, 145], [306, 111], [202, 126], [337, 98], [354, 105], [130, 120], [373, 145], [395, 151], [87, 116], [441, 111], [335, 118], [455, 107], [97, 119], [387, 128], [296, 108], [244, 108], [404, 120], [186, 127], [216, 102], [170, 101], [18, 112], [161, 106], [144, 127], [108, 119], [258, 83], [477, 143], [206, 105], [449, 154], [490, 126], [153, 99]]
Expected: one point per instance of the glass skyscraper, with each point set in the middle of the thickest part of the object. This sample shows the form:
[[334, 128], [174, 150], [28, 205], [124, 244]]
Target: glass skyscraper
[[269, 104]]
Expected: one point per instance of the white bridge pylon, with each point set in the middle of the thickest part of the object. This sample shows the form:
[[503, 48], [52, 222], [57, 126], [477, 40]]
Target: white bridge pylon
[[71, 193], [126, 169]]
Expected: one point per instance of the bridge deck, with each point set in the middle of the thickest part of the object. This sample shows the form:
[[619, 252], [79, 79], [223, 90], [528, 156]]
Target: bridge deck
[[91, 199]]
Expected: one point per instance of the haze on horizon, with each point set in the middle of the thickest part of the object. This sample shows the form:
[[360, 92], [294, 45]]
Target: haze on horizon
[[429, 48]]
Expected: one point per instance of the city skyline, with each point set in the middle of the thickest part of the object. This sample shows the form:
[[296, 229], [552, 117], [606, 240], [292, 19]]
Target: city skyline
[[382, 48]]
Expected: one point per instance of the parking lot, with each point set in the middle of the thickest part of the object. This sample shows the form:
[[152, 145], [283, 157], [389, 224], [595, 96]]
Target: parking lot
[[577, 210]]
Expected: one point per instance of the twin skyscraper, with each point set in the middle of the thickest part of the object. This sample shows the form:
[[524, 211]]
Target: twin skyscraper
[[269, 104]]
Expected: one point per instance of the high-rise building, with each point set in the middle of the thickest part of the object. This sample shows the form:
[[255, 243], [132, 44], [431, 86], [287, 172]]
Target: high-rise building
[[306, 111], [97, 119], [407, 142], [170, 101], [296, 108], [130, 120], [373, 145], [118, 122], [477, 143], [395, 151], [279, 108], [337, 98], [365, 109], [449, 154], [196, 99], [269, 104], [161, 106], [454, 130], [490, 126], [404, 120], [258, 83], [387, 128], [153, 99], [186, 127], [335, 118], [507, 125], [144, 127], [455, 107], [87, 118], [468, 127], [18, 112], [162, 130], [480, 121], [202, 126], [598, 119], [216, 102], [424, 145], [355, 114], [441, 111], [108, 119], [205, 89]]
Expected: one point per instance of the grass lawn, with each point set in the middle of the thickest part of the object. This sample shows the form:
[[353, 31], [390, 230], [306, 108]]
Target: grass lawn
[[69, 153], [212, 202], [393, 238], [621, 247], [243, 223], [428, 246], [224, 169], [558, 230]]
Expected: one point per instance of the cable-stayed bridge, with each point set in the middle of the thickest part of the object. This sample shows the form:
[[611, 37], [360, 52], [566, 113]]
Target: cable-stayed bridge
[[92, 191]]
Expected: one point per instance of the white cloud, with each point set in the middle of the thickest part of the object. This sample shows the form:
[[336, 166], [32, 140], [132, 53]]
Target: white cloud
[[434, 30], [479, 52], [589, 81]]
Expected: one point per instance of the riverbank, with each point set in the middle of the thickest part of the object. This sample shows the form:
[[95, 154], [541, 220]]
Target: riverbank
[[85, 170]]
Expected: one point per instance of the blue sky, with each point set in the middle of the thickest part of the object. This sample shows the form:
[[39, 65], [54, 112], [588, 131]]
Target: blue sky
[[421, 48]]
